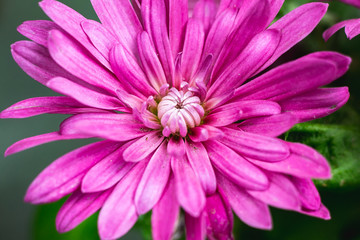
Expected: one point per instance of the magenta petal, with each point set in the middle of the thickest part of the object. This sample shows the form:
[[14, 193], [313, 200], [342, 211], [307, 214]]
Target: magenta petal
[[205, 11], [309, 195], [275, 6], [64, 175], [281, 193], [78, 207], [176, 147], [349, 25], [107, 172], [316, 104], [165, 213], [75, 59], [251, 211], [142, 147], [84, 95], [114, 126], [271, 126], [235, 167], [40, 105], [255, 146], [71, 24], [219, 218], [195, 227], [37, 30], [178, 17], [35, 141], [235, 111], [118, 214], [153, 181], [120, 17], [322, 213], [303, 161], [189, 192], [295, 26], [200, 163]]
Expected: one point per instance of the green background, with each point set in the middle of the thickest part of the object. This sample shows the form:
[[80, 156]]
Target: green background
[[19, 220]]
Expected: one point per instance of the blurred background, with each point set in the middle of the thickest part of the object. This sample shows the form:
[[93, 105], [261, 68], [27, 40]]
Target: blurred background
[[340, 142]]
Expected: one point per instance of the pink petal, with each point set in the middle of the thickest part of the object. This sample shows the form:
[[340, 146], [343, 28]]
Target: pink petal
[[251, 58], [178, 17], [120, 17], [176, 147], [71, 24], [205, 11], [153, 181], [75, 59], [195, 227], [35, 141], [189, 193], [150, 62], [295, 26], [107, 172], [254, 145], [281, 193], [40, 105], [77, 208], [154, 19], [200, 163], [114, 126], [251, 211], [235, 167], [165, 213], [64, 175], [118, 214], [355, 3], [309, 196], [322, 213], [275, 6], [303, 162], [271, 126], [84, 95], [316, 104], [348, 24], [37, 30], [142, 147], [235, 111], [193, 45]]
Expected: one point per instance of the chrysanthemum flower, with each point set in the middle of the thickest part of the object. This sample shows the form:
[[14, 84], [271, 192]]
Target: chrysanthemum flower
[[187, 115]]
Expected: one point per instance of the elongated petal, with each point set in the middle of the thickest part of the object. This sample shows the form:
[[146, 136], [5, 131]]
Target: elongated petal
[[254, 145], [84, 95], [251, 211], [71, 24], [195, 227], [40, 105], [316, 104], [118, 214], [281, 193], [35, 141], [78, 207], [309, 196], [303, 162], [120, 17], [232, 112], [200, 163], [64, 175], [275, 6], [278, 83], [251, 58], [351, 29], [142, 147], [154, 18], [193, 45], [295, 26], [235, 167], [205, 11], [322, 213], [189, 192], [271, 126], [37, 30], [165, 213], [117, 127], [107, 172], [153, 181], [74, 58], [178, 17]]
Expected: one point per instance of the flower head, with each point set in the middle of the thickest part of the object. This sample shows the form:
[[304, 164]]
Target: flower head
[[187, 115]]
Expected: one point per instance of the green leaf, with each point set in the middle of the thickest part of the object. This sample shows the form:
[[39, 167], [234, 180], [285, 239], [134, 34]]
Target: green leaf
[[338, 139]]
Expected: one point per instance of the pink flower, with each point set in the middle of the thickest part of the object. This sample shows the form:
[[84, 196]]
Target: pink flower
[[183, 126]]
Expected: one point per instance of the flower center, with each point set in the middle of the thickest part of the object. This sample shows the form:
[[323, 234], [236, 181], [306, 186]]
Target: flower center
[[178, 111]]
